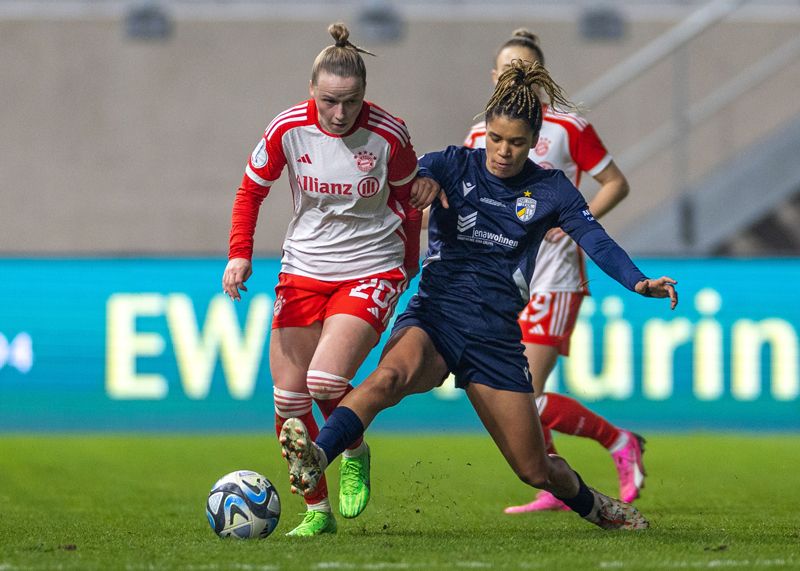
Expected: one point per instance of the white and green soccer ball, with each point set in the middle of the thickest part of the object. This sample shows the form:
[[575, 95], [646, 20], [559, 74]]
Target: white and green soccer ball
[[243, 504]]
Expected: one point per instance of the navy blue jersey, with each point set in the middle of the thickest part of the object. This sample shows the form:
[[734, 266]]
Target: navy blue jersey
[[482, 250]]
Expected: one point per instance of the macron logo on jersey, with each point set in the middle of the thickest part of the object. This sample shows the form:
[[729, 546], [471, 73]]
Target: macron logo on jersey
[[467, 187], [467, 222]]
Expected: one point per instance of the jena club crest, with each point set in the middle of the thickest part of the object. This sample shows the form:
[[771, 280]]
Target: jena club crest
[[525, 208]]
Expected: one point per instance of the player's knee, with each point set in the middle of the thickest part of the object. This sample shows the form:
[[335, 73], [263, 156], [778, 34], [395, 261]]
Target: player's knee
[[387, 385], [326, 386]]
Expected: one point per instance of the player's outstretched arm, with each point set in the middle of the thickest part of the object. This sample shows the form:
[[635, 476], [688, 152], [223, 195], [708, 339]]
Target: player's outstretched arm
[[236, 273], [662, 287]]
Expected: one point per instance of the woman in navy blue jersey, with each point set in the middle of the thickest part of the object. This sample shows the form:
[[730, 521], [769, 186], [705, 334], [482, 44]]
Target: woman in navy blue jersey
[[494, 207]]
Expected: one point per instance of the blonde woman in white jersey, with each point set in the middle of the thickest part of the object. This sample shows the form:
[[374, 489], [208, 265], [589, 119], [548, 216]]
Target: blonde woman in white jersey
[[350, 249], [569, 143]]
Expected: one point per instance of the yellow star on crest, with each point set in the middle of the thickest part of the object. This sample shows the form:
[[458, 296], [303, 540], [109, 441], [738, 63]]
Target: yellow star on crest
[[527, 193]]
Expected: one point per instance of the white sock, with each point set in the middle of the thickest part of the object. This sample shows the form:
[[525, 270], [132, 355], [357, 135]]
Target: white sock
[[323, 506], [357, 451], [620, 442]]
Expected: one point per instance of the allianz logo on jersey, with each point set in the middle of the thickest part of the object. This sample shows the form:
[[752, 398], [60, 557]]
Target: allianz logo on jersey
[[468, 221], [313, 184], [367, 187]]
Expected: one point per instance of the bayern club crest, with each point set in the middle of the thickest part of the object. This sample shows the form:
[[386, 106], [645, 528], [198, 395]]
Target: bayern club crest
[[542, 146], [525, 208], [279, 301], [365, 160]]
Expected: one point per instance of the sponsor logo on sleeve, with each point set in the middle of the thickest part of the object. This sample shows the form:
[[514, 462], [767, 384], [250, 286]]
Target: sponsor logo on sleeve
[[259, 157]]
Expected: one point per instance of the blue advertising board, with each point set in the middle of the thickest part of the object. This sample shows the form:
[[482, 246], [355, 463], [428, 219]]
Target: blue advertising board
[[153, 344]]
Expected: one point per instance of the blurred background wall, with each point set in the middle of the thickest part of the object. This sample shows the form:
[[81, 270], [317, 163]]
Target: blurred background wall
[[126, 128], [114, 144]]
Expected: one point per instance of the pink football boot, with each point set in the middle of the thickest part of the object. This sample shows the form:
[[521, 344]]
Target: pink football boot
[[545, 501], [630, 467]]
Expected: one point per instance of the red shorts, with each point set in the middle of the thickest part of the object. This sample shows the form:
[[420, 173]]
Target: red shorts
[[549, 319], [301, 301]]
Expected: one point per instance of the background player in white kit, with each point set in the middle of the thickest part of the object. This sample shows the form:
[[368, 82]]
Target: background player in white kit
[[569, 143], [349, 251]]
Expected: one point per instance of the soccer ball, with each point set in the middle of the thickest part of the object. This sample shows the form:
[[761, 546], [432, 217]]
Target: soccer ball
[[244, 505]]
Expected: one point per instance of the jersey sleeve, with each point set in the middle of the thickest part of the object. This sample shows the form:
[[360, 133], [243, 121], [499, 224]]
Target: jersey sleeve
[[443, 166], [402, 170], [264, 167], [588, 151], [577, 221], [574, 216], [402, 167]]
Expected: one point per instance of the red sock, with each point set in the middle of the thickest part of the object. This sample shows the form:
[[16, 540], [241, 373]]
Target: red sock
[[321, 491], [328, 405], [568, 416]]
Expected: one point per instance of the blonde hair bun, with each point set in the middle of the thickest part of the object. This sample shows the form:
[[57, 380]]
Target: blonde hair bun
[[340, 34]]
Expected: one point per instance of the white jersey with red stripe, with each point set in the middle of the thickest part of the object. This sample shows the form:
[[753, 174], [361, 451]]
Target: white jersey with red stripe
[[347, 215], [567, 142]]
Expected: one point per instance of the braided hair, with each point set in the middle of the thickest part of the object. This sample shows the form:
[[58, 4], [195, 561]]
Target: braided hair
[[342, 58], [515, 95]]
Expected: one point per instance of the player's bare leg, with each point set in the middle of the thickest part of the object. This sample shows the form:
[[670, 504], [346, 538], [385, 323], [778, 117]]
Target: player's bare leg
[[542, 360], [409, 365], [345, 342], [568, 416], [511, 419], [291, 352]]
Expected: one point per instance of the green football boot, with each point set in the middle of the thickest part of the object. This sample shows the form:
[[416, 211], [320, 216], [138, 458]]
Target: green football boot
[[354, 485], [314, 523]]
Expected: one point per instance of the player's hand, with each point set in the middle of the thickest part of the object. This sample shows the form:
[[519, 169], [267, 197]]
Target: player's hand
[[662, 287], [236, 273], [554, 235], [424, 191]]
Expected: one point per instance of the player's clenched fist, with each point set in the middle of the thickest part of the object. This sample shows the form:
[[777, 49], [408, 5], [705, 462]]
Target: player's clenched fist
[[424, 191], [236, 273]]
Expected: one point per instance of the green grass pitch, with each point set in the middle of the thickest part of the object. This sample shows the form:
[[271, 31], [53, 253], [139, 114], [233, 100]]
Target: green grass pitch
[[137, 503]]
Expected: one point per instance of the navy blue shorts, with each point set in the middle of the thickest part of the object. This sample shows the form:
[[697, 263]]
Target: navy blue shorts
[[499, 364]]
